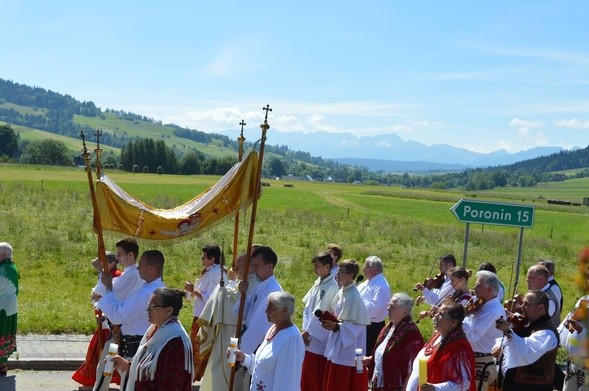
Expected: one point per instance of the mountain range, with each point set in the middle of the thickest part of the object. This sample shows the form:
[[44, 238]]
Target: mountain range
[[390, 153]]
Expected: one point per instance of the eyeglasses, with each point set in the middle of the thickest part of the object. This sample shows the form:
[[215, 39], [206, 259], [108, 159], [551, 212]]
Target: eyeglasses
[[152, 306], [339, 272]]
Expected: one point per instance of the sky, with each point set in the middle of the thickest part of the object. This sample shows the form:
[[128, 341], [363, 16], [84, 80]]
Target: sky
[[479, 75]]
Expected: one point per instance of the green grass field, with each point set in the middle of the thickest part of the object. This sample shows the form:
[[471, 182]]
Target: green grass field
[[46, 215]]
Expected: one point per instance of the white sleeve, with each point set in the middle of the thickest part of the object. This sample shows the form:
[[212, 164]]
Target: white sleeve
[[531, 348], [257, 327], [119, 311]]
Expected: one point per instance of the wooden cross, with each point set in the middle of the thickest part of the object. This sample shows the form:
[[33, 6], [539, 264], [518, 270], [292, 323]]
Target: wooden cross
[[242, 123], [98, 133], [267, 109]]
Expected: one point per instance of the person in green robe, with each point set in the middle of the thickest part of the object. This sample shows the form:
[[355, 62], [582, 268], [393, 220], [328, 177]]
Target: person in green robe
[[8, 305]]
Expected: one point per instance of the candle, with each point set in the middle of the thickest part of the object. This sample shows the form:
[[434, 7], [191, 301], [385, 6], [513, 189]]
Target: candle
[[422, 370], [358, 360], [232, 347], [112, 352]]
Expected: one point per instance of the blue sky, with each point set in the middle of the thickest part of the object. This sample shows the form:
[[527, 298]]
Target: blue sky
[[478, 75]]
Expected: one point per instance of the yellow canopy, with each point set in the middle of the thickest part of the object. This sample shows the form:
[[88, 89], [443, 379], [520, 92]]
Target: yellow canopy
[[122, 213]]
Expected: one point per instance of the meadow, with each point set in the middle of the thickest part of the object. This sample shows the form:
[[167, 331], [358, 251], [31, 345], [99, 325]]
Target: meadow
[[46, 214]]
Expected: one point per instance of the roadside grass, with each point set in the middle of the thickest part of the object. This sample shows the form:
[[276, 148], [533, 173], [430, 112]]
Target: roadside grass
[[46, 214]]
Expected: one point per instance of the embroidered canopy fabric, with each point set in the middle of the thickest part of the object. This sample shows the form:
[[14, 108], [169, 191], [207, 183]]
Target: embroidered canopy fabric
[[123, 213]]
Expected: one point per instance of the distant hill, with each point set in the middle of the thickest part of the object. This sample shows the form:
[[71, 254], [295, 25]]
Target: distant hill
[[345, 147]]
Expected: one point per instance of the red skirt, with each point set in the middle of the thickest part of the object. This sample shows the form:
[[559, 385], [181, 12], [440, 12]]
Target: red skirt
[[343, 378]]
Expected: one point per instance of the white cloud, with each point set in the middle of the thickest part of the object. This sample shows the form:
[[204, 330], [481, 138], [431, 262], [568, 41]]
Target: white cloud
[[572, 123], [524, 126]]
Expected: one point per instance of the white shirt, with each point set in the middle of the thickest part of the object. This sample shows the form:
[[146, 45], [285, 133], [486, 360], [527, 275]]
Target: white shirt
[[255, 319], [205, 284], [433, 297], [376, 294], [519, 352], [556, 289], [278, 362], [127, 283], [551, 304], [413, 382], [378, 359], [319, 297], [130, 313], [480, 329]]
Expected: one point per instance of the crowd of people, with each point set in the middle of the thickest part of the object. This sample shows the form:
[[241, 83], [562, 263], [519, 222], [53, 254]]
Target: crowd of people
[[344, 343]]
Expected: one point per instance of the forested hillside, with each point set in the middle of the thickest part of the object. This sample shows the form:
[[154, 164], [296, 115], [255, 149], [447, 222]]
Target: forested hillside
[[147, 145]]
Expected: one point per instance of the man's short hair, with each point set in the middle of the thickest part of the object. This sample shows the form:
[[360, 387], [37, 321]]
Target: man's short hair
[[154, 258], [449, 259], [337, 250], [548, 264], [268, 255], [212, 251], [323, 258], [129, 245], [489, 279], [539, 297], [539, 270], [349, 266], [375, 262]]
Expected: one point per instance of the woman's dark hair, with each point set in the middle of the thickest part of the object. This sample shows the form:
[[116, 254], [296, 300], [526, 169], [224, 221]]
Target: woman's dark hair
[[459, 272], [169, 297]]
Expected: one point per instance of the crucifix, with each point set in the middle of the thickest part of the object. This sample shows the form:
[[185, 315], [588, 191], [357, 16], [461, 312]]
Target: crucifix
[[242, 123], [267, 109]]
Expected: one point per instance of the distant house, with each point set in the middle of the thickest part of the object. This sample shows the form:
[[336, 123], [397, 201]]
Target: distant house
[[559, 177]]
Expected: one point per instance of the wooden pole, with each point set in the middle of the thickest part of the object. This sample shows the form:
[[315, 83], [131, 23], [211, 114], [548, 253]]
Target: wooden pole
[[97, 225], [240, 140], [250, 238]]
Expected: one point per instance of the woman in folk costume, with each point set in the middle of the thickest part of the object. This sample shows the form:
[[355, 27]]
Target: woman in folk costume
[[164, 359], [276, 364], [450, 359], [319, 297], [8, 305], [396, 347], [86, 374], [200, 291], [347, 334]]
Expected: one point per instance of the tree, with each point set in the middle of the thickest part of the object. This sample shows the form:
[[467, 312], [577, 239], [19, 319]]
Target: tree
[[8, 141], [50, 152], [276, 167], [191, 164]]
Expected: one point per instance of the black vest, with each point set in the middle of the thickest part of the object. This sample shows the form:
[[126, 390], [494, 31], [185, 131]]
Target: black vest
[[537, 376]]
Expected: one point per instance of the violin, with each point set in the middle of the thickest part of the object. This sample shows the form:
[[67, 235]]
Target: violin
[[514, 313], [433, 282], [577, 314], [473, 306]]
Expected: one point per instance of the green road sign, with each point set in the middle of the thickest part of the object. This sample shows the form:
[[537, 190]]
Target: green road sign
[[495, 213]]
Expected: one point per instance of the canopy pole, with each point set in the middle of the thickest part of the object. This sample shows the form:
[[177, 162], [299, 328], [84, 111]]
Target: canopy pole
[[250, 238], [240, 140], [97, 225]]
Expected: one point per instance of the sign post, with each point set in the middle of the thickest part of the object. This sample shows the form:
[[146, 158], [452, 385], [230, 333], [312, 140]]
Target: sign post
[[494, 213]]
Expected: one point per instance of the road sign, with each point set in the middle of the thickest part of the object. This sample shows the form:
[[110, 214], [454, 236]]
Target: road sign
[[495, 213]]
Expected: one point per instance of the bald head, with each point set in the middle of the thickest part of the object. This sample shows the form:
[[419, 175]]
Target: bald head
[[537, 277]]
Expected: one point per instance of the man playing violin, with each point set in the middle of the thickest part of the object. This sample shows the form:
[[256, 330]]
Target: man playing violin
[[479, 326], [528, 359], [433, 296]]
